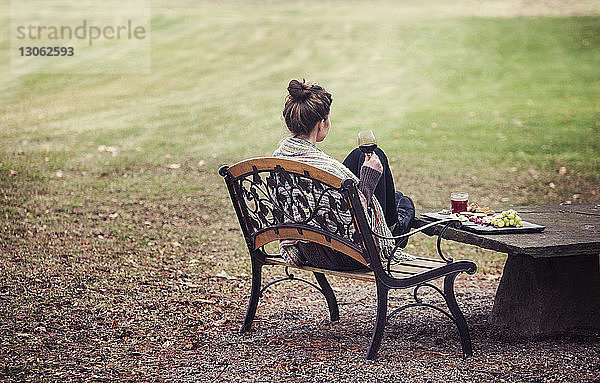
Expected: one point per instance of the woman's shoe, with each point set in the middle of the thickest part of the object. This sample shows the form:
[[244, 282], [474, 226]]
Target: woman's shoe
[[405, 209]]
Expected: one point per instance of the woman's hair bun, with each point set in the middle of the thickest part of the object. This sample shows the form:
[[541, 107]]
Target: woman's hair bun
[[299, 90]]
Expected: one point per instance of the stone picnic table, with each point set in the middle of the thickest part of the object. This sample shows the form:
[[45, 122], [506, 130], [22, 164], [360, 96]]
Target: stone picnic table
[[551, 279]]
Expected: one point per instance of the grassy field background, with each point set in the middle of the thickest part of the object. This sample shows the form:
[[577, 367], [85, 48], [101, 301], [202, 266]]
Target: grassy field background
[[110, 180], [458, 99]]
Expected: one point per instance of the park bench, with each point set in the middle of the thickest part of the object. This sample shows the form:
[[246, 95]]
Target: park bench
[[277, 199]]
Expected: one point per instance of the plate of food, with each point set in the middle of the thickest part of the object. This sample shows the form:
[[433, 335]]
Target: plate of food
[[486, 221]]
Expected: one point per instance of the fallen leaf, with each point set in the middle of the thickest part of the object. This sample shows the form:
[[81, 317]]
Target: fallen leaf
[[23, 334], [107, 149], [517, 122], [562, 170], [174, 166], [59, 174], [201, 163], [220, 322], [223, 274], [551, 185]]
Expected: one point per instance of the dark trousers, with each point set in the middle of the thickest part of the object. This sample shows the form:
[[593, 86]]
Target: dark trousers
[[385, 191]]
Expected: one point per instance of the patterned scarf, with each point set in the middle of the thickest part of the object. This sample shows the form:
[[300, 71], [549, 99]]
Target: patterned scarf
[[308, 153]]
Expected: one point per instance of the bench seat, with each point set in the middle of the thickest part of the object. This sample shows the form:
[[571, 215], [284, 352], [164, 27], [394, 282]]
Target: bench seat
[[411, 267]]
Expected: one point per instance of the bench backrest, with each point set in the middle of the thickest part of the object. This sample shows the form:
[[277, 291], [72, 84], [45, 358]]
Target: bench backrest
[[277, 199]]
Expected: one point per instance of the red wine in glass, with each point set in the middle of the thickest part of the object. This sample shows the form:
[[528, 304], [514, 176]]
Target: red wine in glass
[[366, 141]]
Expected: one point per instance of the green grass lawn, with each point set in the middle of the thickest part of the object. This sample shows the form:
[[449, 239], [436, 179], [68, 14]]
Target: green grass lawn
[[494, 106]]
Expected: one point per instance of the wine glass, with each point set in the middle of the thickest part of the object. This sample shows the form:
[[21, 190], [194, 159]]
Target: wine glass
[[366, 141]]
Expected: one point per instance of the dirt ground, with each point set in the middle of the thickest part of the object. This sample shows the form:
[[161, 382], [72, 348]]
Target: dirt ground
[[158, 294], [62, 323]]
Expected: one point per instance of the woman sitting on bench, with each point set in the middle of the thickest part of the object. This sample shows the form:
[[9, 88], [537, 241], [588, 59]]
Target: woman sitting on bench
[[306, 113]]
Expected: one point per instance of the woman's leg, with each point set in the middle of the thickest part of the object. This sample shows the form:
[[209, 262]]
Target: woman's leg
[[398, 209], [385, 190]]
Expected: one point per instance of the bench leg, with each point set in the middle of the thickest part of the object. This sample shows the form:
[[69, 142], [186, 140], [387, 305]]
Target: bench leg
[[380, 322], [334, 312], [254, 295], [459, 319]]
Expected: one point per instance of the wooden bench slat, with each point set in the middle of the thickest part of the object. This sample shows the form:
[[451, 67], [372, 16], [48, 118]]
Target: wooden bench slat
[[307, 235], [426, 263], [268, 163], [406, 268], [364, 276]]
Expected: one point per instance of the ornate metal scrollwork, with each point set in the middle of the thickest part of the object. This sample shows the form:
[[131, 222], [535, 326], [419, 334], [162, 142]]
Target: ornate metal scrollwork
[[439, 240], [419, 302], [277, 197], [289, 277]]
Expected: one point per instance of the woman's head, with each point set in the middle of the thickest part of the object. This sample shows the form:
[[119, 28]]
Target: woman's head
[[305, 107]]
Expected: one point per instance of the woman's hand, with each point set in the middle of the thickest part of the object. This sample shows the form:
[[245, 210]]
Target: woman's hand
[[373, 161]]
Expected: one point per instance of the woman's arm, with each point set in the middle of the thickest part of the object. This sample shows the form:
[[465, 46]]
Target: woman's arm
[[370, 172]]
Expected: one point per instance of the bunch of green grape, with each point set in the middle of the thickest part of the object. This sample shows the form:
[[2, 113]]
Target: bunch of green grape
[[508, 218]]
